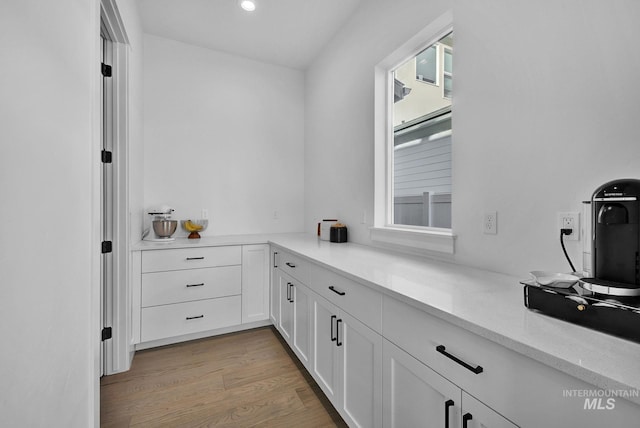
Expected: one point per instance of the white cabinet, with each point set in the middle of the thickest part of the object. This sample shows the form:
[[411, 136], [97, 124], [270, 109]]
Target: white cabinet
[[255, 283], [185, 293], [416, 396], [347, 364], [285, 322], [325, 347], [274, 292], [291, 302], [302, 299]]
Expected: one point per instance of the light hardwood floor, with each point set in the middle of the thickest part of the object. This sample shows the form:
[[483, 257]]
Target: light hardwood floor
[[245, 379]]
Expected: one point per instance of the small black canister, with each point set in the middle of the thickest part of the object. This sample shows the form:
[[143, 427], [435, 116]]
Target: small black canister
[[338, 233]]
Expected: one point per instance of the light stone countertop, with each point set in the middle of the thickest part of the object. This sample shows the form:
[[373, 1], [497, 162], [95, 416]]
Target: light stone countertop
[[488, 304]]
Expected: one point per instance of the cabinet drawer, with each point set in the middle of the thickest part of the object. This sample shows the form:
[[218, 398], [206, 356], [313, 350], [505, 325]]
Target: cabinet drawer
[[189, 258], [419, 334], [292, 265], [159, 322], [360, 301], [161, 288]]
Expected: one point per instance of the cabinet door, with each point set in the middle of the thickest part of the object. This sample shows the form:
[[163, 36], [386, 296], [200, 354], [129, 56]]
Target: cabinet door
[[302, 300], [285, 322], [255, 283], [360, 357], [477, 415], [416, 396], [325, 352], [274, 300]]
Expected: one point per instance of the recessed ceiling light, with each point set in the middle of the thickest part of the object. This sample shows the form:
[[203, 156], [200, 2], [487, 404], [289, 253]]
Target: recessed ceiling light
[[248, 5]]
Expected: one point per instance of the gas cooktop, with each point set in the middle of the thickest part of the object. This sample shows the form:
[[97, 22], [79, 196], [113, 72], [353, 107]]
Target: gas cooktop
[[619, 316]]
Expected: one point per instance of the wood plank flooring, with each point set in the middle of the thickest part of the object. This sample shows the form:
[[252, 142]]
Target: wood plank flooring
[[244, 379]]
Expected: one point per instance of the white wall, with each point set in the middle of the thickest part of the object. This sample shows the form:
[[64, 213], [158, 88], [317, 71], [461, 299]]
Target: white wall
[[48, 103], [533, 134], [223, 133]]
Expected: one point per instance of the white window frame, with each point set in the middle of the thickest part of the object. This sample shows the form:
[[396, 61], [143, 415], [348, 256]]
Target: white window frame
[[445, 73], [383, 230]]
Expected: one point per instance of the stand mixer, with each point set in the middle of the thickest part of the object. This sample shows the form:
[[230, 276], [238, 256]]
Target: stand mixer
[[160, 227]]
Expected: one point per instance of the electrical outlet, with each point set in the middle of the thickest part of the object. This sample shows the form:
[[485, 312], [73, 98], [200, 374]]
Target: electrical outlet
[[205, 214], [490, 223], [570, 220]]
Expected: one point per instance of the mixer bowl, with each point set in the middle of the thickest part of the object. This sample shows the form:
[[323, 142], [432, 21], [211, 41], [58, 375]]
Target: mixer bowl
[[165, 228]]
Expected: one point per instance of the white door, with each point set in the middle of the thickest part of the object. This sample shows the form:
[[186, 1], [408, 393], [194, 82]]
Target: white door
[[476, 415], [360, 357], [274, 300], [325, 350], [255, 283], [286, 308], [416, 396], [302, 300]]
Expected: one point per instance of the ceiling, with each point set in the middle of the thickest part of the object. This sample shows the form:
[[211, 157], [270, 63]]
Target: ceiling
[[283, 32]]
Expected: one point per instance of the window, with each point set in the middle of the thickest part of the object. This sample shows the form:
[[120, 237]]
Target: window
[[427, 65], [413, 153], [447, 72]]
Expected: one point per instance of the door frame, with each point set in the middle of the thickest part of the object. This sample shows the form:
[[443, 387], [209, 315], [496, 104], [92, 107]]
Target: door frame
[[118, 351]]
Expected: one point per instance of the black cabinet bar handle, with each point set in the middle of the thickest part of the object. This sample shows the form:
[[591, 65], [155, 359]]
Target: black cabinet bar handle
[[195, 285], [332, 288], [333, 338], [291, 293], [196, 317], [195, 258], [275, 265], [465, 420], [291, 265], [338, 343], [288, 291], [447, 404], [442, 350]]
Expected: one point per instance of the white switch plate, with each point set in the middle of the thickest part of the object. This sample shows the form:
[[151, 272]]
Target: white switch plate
[[490, 223], [570, 220], [205, 213]]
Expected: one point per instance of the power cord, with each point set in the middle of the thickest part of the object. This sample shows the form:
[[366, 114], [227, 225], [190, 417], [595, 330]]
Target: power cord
[[562, 233]]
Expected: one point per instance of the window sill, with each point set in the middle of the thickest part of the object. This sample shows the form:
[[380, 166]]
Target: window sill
[[441, 241]]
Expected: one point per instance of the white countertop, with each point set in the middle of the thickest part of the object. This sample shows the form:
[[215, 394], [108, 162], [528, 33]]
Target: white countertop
[[205, 241], [488, 304]]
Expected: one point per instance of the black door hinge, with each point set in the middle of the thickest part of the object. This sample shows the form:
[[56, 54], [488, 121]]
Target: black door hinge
[[107, 156], [107, 70], [106, 333], [107, 247]]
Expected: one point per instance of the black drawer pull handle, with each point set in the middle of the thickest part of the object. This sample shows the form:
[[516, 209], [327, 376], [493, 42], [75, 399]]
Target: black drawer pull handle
[[288, 292], [275, 264], [195, 258], [447, 404], [196, 317], [465, 420], [291, 265], [332, 288], [338, 343], [476, 370], [195, 285], [291, 292], [333, 338]]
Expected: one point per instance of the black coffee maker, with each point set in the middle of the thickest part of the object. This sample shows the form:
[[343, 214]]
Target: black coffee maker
[[615, 209]]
